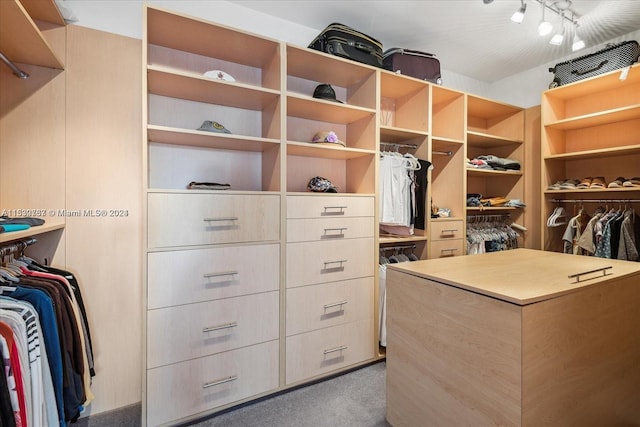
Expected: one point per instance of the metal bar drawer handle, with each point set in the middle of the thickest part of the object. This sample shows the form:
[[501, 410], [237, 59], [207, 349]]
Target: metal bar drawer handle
[[333, 350], [577, 275], [228, 218], [335, 304], [449, 231], [340, 261], [449, 250], [222, 273], [222, 381], [340, 229], [340, 208], [219, 327]]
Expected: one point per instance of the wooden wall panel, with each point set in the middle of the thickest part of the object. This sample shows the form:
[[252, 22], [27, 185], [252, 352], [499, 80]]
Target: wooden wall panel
[[103, 172], [532, 180]]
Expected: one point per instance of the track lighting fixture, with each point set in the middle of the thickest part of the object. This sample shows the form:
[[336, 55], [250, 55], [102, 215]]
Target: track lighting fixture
[[560, 7], [518, 15]]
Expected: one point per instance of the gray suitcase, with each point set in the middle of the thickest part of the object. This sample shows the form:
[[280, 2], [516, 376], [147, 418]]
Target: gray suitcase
[[611, 58]]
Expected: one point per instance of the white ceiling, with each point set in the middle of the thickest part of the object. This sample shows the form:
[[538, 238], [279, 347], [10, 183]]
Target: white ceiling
[[475, 38]]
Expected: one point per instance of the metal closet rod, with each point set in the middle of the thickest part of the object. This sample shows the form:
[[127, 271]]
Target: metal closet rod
[[17, 71], [398, 145], [595, 200], [487, 217], [414, 146], [16, 246], [395, 248]]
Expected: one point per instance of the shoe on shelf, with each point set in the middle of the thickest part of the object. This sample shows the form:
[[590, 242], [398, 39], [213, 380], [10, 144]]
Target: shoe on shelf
[[585, 183], [632, 182], [617, 183], [557, 185], [569, 184], [598, 183]]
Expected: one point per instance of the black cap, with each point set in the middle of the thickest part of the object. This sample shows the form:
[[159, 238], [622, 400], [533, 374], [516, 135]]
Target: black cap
[[325, 91]]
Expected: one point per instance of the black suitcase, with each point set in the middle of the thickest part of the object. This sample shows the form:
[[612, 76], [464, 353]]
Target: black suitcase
[[346, 42], [608, 59], [421, 65]]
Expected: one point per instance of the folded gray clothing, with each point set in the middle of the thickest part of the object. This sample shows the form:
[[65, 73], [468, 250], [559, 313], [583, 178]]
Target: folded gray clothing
[[515, 203], [500, 163], [208, 186]]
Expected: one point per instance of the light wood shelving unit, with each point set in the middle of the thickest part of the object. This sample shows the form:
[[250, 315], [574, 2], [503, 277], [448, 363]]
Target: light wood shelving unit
[[589, 129], [322, 248]]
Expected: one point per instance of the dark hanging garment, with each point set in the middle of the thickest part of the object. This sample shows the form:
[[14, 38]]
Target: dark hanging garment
[[421, 193], [6, 410]]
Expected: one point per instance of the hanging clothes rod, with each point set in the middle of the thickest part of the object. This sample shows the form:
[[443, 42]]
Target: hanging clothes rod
[[413, 146], [398, 145], [16, 247], [17, 71], [595, 200], [443, 153], [485, 217], [397, 248]]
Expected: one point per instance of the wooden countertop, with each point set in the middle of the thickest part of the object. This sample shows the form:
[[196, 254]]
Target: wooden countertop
[[520, 276]]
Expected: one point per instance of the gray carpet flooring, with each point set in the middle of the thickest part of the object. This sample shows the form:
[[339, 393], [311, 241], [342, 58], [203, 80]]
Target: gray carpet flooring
[[355, 399]]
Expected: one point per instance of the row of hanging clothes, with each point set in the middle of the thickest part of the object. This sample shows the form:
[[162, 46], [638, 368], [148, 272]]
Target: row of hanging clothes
[[604, 231], [390, 255], [490, 233], [403, 189], [45, 342]]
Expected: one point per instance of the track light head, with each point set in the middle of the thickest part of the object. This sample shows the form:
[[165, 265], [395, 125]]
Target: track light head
[[518, 15], [578, 43]]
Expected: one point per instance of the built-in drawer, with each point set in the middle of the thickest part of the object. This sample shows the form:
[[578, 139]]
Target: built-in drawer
[[194, 275], [177, 219], [328, 304], [327, 206], [184, 389], [328, 349], [329, 261], [446, 248], [446, 229], [310, 229], [188, 331]]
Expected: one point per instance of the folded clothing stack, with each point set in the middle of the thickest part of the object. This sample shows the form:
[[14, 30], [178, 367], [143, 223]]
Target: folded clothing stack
[[476, 200], [208, 186], [492, 162], [8, 224]]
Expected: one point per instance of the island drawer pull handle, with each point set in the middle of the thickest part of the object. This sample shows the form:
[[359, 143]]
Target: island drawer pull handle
[[340, 261], [335, 304], [222, 381], [333, 350], [341, 229], [577, 275], [219, 327], [228, 218], [222, 273]]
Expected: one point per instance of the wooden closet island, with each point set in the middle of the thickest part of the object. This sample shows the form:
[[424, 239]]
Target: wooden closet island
[[513, 338]]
